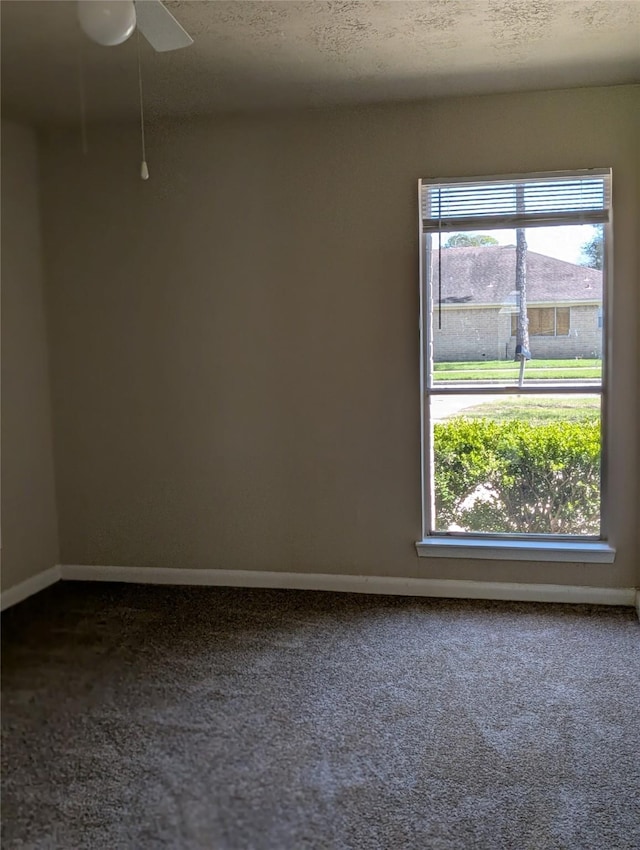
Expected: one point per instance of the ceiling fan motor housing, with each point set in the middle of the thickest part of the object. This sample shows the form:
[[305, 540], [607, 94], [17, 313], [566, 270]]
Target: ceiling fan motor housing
[[107, 22]]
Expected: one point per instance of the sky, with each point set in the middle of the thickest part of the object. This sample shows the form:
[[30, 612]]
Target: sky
[[563, 243]]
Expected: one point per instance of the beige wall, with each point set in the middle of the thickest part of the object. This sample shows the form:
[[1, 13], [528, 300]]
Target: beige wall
[[235, 342], [29, 523]]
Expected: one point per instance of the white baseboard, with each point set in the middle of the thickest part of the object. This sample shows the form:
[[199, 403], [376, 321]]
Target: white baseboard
[[27, 588], [357, 584]]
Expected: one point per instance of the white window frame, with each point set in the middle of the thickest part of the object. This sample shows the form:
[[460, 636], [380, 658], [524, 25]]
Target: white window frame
[[552, 547]]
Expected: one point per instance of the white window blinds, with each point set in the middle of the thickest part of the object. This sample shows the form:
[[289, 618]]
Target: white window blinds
[[582, 197]]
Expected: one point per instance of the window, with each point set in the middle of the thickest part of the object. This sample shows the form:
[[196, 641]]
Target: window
[[513, 304], [545, 321]]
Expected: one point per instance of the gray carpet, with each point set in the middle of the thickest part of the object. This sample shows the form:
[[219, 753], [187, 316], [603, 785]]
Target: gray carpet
[[152, 717]]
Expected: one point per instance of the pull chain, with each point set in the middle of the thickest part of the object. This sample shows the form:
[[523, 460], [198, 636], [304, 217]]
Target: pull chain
[[144, 169]]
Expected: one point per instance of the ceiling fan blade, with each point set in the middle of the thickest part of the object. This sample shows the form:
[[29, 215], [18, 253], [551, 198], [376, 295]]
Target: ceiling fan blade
[[159, 27]]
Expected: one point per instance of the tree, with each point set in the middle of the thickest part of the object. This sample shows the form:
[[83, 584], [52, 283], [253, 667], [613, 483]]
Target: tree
[[467, 240], [522, 353], [592, 251]]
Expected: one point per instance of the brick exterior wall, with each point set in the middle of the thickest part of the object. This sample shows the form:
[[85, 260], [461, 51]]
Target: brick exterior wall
[[484, 333]]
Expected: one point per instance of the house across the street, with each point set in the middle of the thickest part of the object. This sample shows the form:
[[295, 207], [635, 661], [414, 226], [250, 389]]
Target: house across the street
[[478, 305]]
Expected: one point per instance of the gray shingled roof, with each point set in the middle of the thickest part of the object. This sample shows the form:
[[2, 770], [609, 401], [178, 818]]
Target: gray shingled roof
[[487, 275]]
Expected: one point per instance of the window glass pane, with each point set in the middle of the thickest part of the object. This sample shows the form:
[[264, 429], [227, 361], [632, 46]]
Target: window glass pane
[[517, 464], [508, 309], [478, 299]]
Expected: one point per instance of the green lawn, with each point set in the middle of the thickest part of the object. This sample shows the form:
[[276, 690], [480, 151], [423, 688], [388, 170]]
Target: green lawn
[[496, 370], [537, 411]]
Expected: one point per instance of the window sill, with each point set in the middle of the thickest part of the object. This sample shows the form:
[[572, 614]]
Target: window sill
[[592, 552]]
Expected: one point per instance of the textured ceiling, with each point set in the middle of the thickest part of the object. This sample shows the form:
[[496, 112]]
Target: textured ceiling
[[254, 54]]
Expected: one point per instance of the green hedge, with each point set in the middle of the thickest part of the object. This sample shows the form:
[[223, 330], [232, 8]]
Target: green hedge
[[517, 477]]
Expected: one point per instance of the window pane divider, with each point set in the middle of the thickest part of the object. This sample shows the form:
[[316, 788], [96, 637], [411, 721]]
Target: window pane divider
[[514, 389]]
